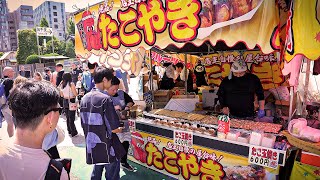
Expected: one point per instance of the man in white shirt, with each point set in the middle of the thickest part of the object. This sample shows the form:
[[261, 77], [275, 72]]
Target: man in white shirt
[[36, 110]]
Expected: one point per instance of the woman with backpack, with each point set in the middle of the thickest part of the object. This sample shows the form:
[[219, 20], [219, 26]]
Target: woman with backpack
[[69, 93]]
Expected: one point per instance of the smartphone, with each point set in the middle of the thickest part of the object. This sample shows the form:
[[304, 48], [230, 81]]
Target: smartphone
[[121, 124]]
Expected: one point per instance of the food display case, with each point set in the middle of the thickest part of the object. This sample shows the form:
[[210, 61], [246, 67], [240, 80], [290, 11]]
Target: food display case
[[192, 146]]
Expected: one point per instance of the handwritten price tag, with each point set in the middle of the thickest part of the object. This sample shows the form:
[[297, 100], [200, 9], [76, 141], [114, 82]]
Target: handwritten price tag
[[132, 125], [263, 156], [183, 138]]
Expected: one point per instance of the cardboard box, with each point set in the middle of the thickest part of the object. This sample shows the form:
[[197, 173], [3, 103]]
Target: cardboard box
[[162, 95], [159, 105]]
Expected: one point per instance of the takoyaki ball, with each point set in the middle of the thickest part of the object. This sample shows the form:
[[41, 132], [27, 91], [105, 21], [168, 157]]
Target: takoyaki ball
[[240, 7], [222, 13]]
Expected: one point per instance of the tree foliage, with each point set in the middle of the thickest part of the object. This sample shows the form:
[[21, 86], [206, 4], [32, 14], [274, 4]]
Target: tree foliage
[[51, 54], [44, 22], [1, 54], [70, 27], [70, 50], [59, 47], [27, 45], [32, 59]]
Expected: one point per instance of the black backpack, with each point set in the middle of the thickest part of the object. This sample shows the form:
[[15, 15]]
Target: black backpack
[[55, 168]]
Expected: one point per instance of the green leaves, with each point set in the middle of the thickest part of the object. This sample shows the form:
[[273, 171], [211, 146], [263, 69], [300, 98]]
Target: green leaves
[[44, 22], [70, 27], [32, 59], [27, 44]]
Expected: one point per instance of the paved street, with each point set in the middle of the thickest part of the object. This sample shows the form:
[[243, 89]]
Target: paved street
[[75, 148]]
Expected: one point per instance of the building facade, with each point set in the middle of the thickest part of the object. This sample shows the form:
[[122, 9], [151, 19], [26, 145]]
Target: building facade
[[55, 14], [24, 17], [4, 28], [12, 32]]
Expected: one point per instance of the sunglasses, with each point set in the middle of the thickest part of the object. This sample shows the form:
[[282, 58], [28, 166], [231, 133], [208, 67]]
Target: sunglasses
[[54, 109]]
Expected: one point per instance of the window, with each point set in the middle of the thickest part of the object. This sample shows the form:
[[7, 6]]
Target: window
[[54, 7], [55, 14], [55, 20], [56, 26], [60, 34]]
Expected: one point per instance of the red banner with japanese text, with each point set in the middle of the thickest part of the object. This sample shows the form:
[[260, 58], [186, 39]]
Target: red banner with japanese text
[[110, 28], [265, 66]]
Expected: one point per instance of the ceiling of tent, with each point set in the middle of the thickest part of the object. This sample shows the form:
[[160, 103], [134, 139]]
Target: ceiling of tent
[[205, 48]]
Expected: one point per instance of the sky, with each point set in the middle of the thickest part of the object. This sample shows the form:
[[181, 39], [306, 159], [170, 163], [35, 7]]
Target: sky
[[14, 4]]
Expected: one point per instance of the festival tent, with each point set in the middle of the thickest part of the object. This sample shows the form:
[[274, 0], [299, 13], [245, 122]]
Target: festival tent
[[116, 33], [302, 44]]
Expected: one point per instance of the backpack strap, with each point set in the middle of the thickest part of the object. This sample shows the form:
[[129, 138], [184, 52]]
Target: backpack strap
[[54, 170], [56, 166]]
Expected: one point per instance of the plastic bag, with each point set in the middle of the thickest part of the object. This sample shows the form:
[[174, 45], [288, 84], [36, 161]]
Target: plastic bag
[[311, 134], [299, 129], [296, 125]]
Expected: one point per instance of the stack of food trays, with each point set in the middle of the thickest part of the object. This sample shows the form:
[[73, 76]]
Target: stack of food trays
[[243, 131], [212, 121]]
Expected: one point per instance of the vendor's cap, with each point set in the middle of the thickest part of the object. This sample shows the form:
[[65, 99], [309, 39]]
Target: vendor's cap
[[239, 66]]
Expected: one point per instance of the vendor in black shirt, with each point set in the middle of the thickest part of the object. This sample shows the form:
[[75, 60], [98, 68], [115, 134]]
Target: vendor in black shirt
[[237, 92]]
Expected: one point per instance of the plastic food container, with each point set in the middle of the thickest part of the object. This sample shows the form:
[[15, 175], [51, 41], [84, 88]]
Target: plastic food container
[[268, 140], [244, 138], [256, 138], [221, 135], [233, 135]]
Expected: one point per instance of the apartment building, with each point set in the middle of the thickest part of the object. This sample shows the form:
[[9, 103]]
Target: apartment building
[[55, 14], [24, 17], [4, 28], [12, 32]]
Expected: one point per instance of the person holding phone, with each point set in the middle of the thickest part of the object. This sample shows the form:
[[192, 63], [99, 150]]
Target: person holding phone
[[122, 103]]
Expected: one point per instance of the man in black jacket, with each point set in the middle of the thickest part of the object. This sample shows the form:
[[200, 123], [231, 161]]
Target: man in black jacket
[[75, 72], [60, 72], [9, 74], [237, 92]]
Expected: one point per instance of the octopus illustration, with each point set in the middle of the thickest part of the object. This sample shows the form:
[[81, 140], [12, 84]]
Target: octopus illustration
[[139, 152], [93, 38]]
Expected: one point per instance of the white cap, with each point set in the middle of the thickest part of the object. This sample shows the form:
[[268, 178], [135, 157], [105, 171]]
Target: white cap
[[238, 66]]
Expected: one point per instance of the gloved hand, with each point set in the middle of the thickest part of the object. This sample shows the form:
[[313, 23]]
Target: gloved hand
[[261, 113]]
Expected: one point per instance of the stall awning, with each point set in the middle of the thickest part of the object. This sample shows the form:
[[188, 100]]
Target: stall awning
[[169, 24], [303, 30]]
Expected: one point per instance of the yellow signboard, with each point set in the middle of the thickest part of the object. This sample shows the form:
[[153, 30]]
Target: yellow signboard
[[195, 162], [265, 66], [110, 28]]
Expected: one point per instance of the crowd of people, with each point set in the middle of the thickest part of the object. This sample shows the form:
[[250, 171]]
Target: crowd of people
[[32, 107]]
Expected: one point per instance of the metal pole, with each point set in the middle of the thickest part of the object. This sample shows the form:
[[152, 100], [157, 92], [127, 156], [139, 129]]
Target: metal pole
[[291, 101], [52, 43], [185, 74], [38, 47], [304, 107], [151, 73], [151, 78]]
